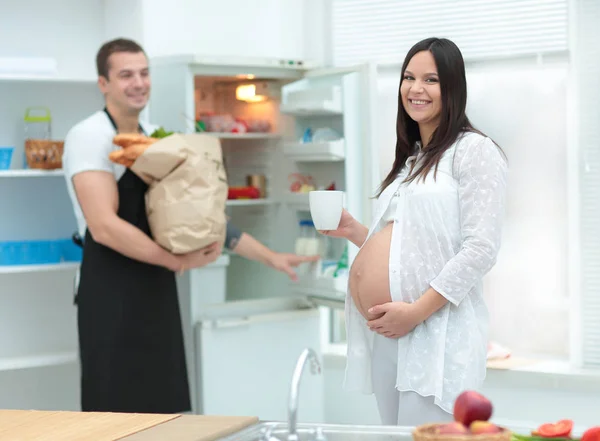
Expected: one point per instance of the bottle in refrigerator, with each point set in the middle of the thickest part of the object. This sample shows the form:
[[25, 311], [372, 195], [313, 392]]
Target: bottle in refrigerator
[[308, 243]]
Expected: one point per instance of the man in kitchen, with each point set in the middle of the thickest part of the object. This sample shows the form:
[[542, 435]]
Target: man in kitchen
[[130, 333]]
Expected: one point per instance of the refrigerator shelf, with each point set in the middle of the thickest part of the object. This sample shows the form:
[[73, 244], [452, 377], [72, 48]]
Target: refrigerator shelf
[[314, 101], [327, 287], [330, 151]]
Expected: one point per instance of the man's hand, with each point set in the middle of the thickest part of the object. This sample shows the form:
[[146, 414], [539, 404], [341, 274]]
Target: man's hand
[[200, 258], [252, 249], [398, 319], [286, 263]]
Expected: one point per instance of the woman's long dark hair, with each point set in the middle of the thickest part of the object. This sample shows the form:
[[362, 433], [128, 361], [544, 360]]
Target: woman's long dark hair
[[453, 119]]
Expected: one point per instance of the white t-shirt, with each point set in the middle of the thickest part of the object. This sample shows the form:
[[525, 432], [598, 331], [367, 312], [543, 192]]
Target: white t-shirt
[[87, 146]]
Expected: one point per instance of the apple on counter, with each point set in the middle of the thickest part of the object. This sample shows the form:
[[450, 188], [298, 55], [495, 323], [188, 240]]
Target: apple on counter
[[471, 412], [471, 406]]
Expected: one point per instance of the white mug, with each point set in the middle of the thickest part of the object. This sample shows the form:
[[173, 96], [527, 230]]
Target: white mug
[[326, 208]]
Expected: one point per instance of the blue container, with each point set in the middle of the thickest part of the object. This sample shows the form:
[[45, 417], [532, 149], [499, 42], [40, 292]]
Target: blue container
[[8, 253], [70, 252], [39, 252], [5, 157]]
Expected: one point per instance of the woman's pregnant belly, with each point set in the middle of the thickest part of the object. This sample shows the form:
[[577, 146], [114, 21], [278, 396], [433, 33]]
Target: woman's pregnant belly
[[369, 283]]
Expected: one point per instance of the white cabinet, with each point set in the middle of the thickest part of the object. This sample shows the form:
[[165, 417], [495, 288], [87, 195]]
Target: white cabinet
[[246, 352], [198, 289]]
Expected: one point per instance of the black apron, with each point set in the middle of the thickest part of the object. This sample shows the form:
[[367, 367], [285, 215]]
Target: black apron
[[130, 332]]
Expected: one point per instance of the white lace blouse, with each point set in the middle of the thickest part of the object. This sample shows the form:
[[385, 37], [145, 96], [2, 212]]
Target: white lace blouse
[[446, 235]]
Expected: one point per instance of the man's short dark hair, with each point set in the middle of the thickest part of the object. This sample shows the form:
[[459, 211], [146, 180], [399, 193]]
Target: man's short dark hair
[[111, 47]]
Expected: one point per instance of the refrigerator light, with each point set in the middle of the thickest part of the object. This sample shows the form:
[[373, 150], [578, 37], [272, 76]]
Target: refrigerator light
[[247, 92]]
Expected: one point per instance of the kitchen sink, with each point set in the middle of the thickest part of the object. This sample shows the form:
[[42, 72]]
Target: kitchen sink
[[278, 431], [291, 430]]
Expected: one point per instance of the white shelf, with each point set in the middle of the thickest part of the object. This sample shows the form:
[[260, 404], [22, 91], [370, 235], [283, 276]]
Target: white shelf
[[248, 202], [313, 102], [327, 287], [321, 109], [299, 199], [30, 173], [243, 135], [329, 151], [43, 79], [37, 361], [25, 269]]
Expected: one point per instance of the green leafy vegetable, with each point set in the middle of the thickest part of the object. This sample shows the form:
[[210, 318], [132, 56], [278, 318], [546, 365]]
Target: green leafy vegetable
[[160, 133], [517, 437]]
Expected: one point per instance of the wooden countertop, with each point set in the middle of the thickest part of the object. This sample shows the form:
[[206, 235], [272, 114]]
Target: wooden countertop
[[194, 428], [32, 425]]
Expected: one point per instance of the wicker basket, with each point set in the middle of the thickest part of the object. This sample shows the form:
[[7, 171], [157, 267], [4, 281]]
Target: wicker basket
[[44, 154], [426, 432]]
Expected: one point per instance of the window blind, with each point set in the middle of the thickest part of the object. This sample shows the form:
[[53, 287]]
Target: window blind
[[586, 63], [384, 30]]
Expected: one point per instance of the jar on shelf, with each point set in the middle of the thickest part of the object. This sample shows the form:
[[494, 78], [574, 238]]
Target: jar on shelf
[[41, 152], [38, 123]]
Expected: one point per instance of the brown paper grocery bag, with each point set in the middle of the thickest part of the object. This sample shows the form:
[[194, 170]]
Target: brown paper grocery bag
[[187, 193]]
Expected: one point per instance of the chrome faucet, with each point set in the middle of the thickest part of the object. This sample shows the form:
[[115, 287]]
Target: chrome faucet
[[293, 403], [267, 434]]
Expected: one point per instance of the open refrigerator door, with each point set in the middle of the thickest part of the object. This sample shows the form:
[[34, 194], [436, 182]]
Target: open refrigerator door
[[330, 148]]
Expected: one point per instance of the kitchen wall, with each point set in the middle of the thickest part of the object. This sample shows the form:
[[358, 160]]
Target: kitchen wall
[[67, 30], [269, 28], [294, 29]]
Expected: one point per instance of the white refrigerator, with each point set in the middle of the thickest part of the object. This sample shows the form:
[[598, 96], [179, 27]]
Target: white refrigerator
[[246, 324]]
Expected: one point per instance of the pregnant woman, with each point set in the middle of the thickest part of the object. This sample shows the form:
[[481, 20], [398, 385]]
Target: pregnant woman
[[415, 316]]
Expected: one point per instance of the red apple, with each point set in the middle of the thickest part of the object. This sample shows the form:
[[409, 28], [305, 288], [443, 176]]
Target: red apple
[[451, 428], [592, 434], [478, 427], [472, 406]]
